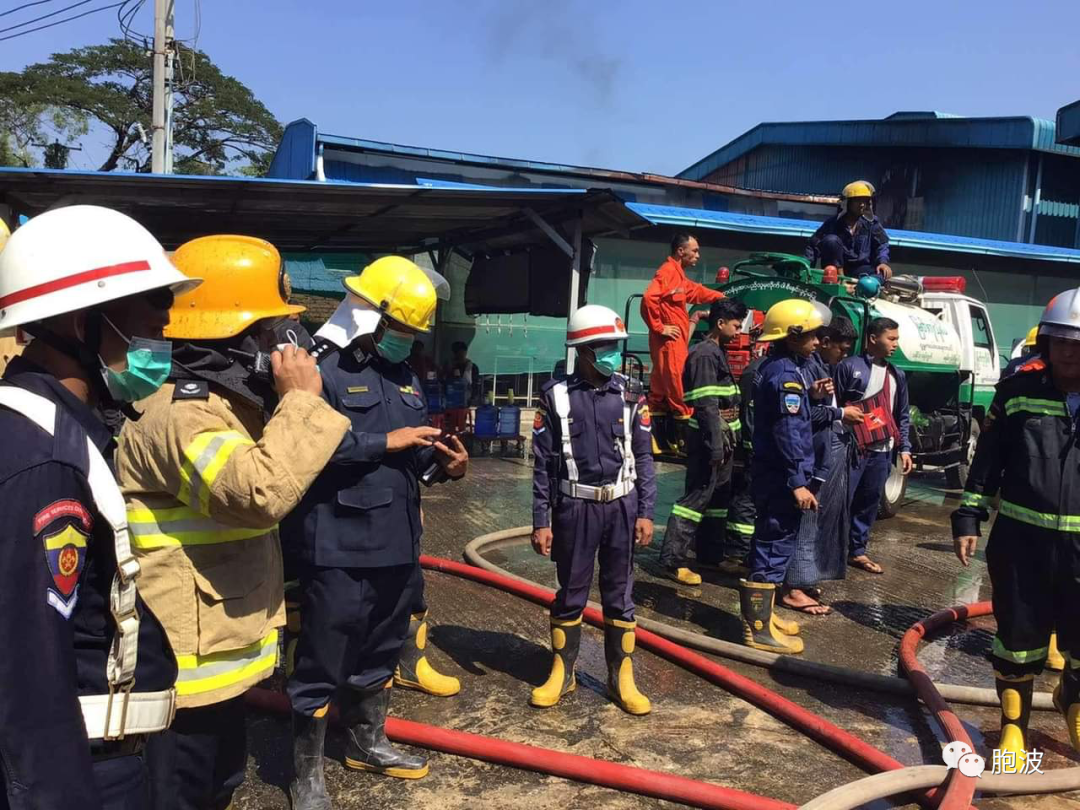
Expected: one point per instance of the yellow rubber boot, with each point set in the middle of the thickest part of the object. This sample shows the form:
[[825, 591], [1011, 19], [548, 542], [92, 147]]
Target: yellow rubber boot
[[684, 576], [1054, 659], [565, 643], [1015, 696], [786, 626], [414, 671], [760, 629], [619, 641], [1067, 701]]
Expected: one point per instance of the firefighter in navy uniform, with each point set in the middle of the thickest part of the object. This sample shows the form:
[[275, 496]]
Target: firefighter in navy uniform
[[357, 531], [699, 517], [1029, 454], [782, 467], [87, 673], [741, 513], [594, 490]]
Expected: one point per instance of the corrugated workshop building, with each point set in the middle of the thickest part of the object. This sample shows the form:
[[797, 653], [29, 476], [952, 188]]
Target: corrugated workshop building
[[995, 178], [769, 203]]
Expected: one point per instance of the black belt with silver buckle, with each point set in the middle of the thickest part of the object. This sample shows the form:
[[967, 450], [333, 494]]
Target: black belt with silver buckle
[[108, 749]]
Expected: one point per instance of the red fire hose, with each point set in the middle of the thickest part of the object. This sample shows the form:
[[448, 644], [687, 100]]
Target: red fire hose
[[960, 789], [831, 736], [956, 796], [544, 760]]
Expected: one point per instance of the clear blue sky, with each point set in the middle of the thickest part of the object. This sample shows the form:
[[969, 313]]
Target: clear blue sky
[[636, 85]]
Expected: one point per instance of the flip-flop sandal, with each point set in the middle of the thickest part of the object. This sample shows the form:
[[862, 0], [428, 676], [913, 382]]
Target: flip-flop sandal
[[867, 565], [808, 609]]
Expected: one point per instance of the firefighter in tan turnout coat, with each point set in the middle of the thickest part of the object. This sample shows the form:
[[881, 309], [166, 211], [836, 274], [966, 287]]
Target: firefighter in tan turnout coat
[[218, 457]]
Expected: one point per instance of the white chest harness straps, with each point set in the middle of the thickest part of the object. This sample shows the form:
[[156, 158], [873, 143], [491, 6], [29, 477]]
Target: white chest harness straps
[[624, 485], [121, 712]]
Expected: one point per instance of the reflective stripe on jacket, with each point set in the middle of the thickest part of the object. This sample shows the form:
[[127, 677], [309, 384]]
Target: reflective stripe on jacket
[[710, 388], [1026, 452], [206, 483]]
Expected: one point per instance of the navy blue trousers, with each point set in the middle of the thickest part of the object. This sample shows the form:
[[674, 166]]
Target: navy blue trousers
[[200, 760], [582, 531], [833, 251], [775, 531], [867, 483], [353, 623]]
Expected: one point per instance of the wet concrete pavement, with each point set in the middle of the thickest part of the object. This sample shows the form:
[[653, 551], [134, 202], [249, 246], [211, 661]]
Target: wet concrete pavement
[[498, 645]]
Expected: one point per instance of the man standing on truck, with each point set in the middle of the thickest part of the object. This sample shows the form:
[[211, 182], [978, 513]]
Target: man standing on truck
[[879, 388], [663, 308], [1028, 454], [854, 240]]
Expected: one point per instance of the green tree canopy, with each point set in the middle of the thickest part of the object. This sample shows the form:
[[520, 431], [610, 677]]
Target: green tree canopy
[[218, 124]]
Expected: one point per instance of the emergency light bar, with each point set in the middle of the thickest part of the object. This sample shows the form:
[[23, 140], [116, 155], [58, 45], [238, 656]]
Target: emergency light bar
[[956, 284]]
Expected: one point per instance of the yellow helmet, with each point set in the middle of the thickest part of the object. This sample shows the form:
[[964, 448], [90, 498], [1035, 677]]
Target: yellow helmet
[[1032, 336], [399, 288], [860, 188], [792, 317], [243, 282]]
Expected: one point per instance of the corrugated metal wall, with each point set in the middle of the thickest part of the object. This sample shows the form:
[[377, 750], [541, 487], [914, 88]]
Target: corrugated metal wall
[[966, 193]]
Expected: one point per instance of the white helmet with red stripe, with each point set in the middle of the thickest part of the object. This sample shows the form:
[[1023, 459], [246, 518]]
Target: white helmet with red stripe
[[594, 324], [76, 258]]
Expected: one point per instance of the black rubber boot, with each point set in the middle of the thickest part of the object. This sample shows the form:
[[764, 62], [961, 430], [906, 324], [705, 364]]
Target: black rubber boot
[[308, 789], [760, 631], [1067, 701], [1015, 697], [367, 749], [565, 643]]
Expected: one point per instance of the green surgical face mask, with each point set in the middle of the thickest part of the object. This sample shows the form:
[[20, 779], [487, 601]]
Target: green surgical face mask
[[608, 361], [394, 347], [148, 365]]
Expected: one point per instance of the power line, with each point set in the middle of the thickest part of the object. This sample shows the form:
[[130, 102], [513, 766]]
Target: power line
[[125, 17], [46, 16], [59, 22], [24, 5]]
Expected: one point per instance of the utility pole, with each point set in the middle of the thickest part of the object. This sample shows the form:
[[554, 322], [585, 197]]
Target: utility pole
[[161, 125]]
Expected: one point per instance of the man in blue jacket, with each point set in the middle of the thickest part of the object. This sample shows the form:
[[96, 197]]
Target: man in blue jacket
[[854, 240], [356, 534], [880, 390], [782, 467]]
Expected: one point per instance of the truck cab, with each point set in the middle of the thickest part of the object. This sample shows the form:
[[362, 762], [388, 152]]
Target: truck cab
[[979, 359]]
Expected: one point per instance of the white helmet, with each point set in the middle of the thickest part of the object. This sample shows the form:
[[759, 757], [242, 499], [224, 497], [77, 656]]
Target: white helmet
[[594, 324], [79, 257], [1061, 318]]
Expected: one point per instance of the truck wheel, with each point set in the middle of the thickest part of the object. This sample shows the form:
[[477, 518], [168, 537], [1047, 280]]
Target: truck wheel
[[956, 477], [892, 496]]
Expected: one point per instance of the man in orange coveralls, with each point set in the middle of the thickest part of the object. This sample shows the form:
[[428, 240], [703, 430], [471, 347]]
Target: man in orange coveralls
[[663, 309]]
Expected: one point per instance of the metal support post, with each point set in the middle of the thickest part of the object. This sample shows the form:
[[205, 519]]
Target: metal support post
[[162, 84], [575, 287]]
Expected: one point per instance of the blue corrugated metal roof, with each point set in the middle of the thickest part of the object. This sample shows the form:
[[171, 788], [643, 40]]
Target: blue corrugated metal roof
[[921, 130], [775, 226]]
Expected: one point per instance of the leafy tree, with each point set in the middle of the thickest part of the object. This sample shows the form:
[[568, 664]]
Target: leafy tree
[[218, 124]]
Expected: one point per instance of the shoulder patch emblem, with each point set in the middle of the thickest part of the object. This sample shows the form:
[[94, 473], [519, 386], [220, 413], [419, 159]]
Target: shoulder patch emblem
[[356, 389], [645, 416], [538, 420], [191, 389], [792, 403], [64, 528], [791, 385]]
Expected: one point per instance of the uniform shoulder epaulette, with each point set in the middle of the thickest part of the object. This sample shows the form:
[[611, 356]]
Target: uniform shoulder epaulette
[[552, 383], [191, 389], [1038, 364]]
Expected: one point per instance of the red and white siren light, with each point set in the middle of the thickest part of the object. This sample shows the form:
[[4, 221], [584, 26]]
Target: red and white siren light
[[953, 284]]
